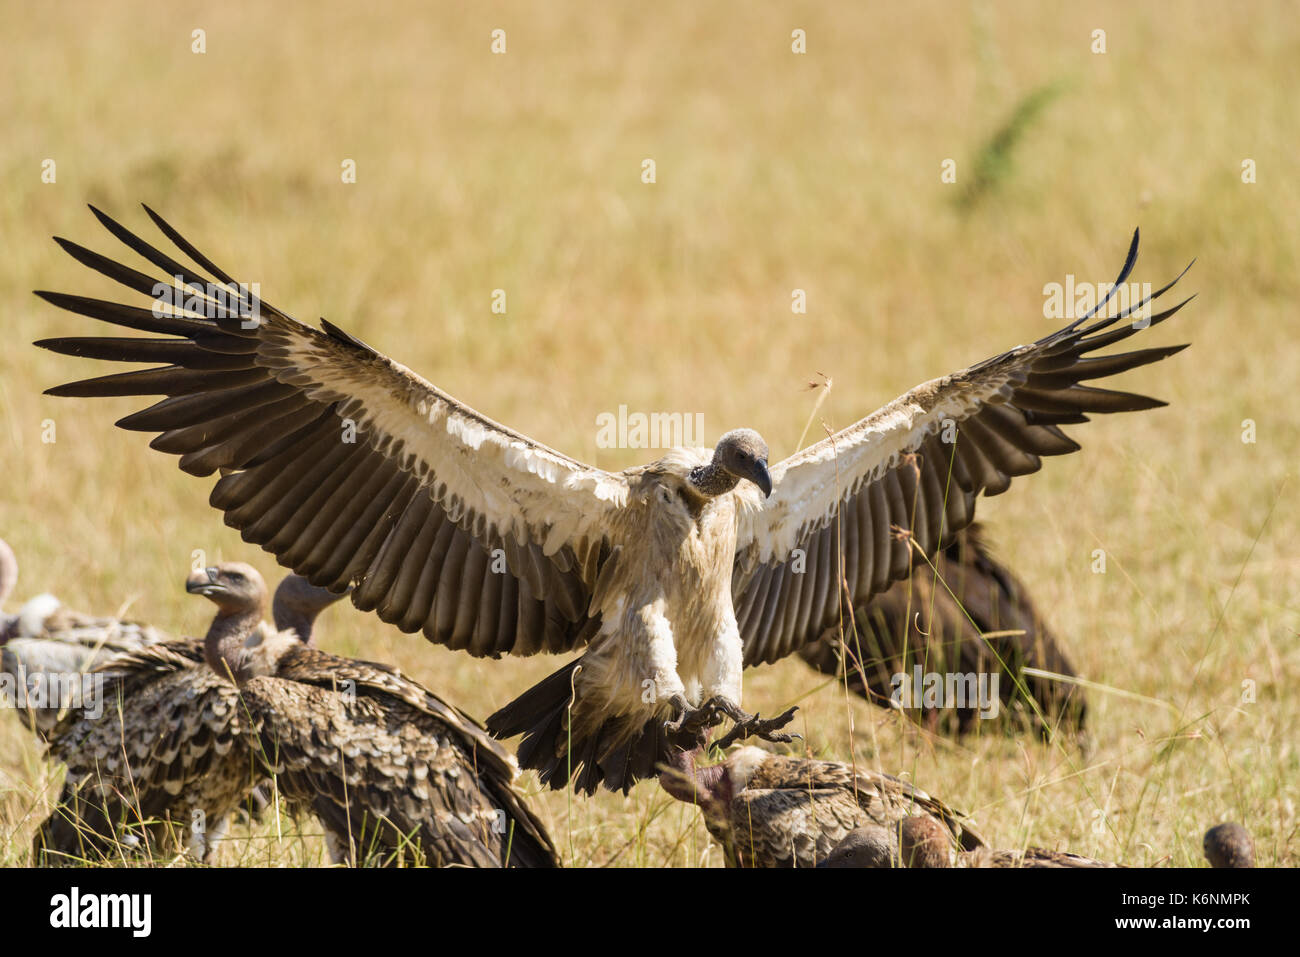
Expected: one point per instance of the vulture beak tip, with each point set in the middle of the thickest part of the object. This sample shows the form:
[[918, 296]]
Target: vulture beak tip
[[762, 478], [202, 582]]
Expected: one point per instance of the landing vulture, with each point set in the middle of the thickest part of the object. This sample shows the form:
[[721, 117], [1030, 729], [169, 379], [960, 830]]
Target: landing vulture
[[969, 614], [769, 810], [170, 739], [673, 577]]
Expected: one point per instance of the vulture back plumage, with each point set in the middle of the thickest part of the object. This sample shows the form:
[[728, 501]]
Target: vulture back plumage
[[769, 810], [168, 755], [920, 842], [392, 772], [168, 750]]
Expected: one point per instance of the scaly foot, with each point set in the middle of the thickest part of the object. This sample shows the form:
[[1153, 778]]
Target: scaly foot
[[692, 721], [752, 725]]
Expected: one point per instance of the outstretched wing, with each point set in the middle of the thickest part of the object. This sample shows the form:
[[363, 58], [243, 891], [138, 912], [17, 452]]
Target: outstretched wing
[[837, 524], [347, 466]]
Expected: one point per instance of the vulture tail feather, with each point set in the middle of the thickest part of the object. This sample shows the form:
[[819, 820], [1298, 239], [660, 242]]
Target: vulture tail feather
[[609, 753]]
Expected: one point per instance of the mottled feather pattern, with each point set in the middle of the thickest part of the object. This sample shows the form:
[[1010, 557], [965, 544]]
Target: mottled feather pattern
[[173, 739], [392, 773], [778, 811]]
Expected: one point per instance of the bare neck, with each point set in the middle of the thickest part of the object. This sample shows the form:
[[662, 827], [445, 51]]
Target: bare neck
[[289, 618], [694, 785], [225, 639], [712, 479]]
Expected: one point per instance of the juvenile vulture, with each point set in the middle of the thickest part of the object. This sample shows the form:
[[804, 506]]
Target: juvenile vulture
[[168, 745], [45, 648], [970, 615], [391, 771], [920, 842], [766, 810], [1229, 845], [673, 577]]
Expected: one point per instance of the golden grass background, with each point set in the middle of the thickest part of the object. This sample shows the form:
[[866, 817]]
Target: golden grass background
[[775, 171]]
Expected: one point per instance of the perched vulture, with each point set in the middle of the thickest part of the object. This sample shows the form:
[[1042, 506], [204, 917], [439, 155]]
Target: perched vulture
[[168, 752], [767, 810], [46, 648], [671, 577], [1229, 845], [170, 745], [920, 842], [970, 615], [391, 771]]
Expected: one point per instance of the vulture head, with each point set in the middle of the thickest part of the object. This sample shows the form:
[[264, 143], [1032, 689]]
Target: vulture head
[[868, 846], [298, 602], [711, 788], [239, 645], [741, 454], [923, 842], [234, 587], [1229, 845]]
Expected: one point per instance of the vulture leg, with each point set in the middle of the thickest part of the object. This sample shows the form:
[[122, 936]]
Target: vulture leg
[[752, 725], [694, 721]]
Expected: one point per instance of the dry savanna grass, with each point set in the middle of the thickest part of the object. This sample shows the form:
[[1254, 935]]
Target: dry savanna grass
[[774, 172]]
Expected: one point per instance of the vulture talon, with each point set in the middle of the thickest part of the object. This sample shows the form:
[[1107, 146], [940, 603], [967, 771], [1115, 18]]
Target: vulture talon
[[753, 725], [693, 721]]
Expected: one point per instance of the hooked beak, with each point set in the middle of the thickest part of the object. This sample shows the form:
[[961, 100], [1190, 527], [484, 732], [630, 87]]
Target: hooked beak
[[202, 582], [762, 478]]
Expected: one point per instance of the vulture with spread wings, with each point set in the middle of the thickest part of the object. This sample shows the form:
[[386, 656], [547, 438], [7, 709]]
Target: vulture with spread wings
[[672, 577]]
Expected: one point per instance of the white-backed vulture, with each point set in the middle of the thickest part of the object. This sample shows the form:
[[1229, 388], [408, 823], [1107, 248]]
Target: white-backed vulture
[[672, 577], [169, 745], [45, 648], [919, 842], [968, 614], [391, 771], [768, 810], [1229, 845]]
